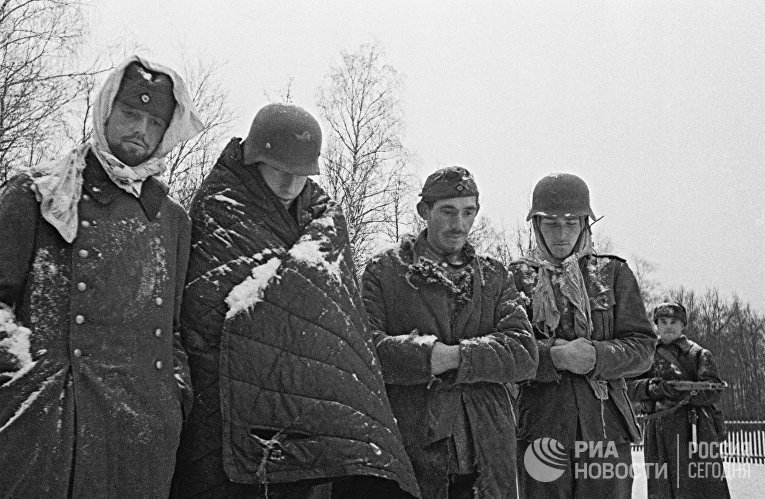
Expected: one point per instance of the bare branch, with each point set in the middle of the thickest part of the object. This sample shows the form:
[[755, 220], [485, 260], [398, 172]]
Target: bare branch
[[365, 163]]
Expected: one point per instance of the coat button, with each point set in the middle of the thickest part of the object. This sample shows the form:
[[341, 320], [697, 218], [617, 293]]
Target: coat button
[[158, 301], [158, 364], [83, 253], [81, 286], [85, 223], [79, 319], [86, 197], [77, 352], [158, 333]]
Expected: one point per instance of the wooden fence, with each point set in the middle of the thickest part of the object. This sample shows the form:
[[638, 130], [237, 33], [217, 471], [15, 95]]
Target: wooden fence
[[745, 442]]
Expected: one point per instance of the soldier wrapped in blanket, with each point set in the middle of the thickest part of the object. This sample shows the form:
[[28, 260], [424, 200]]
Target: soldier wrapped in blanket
[[289, 393]]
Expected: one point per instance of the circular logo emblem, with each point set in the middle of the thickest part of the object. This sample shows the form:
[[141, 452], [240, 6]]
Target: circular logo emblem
[[545, 459], [145, 98]]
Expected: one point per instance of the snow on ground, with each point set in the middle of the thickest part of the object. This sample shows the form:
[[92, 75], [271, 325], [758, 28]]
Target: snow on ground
[[745, 480]]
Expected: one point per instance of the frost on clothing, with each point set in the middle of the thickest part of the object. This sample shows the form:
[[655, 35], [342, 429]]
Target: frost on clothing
[[288, 384], [413, 302], [623, 339], [92, 402], [250, 291], [15, 354]]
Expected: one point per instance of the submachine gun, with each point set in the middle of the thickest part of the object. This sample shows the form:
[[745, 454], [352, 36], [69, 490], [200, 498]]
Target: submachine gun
[[695, 387]]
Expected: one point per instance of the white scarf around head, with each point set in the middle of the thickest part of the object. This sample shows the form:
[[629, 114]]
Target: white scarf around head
[[58, 184]]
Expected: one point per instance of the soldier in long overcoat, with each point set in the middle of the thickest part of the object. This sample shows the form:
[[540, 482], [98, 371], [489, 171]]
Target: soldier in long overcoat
[[93, 254], [683, 429]]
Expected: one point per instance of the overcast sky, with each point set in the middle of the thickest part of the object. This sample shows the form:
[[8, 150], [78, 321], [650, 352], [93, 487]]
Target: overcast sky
[[658, 105]]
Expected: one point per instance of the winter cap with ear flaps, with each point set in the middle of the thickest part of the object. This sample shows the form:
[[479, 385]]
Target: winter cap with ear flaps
[[671, 310], [561, 195], [449, 182], [285, 137], [149, 91]]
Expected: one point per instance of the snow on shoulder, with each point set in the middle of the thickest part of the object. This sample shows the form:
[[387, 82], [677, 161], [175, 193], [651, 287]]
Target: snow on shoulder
[[309, 250], [15, 342], [250, 291], [226, 199]]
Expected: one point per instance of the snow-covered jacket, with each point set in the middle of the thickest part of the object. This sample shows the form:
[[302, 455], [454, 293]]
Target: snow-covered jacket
[[90, 405], [411, 305], [288, 384]]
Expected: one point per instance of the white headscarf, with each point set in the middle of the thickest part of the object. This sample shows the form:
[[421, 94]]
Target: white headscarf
[[58, 184]]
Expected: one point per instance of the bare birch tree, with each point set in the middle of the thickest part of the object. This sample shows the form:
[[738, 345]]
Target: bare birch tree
[[365, 164], [283, 94], [649, 287], [191, 161], [39, 43]]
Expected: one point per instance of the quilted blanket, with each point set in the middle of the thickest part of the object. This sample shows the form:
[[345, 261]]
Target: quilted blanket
[[301, 392]]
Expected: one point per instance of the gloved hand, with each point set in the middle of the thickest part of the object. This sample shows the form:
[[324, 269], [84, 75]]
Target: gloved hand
[[659, 389]]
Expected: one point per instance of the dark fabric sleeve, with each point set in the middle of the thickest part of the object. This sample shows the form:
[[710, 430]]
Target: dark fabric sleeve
[[18, 220], [508, 354], [405, 359], [631, 350], [637, 388], [180, 360], [706, 371], [546, 371], [524, 285]]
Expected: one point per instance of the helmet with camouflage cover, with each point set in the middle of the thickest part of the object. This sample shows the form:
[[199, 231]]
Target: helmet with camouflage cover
[[285, 137], [561, 195]]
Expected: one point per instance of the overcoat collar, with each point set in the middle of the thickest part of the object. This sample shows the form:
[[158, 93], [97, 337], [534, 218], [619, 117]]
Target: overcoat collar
[[98, 185]]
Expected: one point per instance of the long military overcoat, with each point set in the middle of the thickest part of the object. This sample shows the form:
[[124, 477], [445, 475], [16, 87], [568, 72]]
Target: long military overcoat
[[99, 414]]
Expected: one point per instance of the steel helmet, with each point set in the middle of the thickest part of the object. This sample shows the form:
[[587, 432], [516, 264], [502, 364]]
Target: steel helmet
[[561, 195], [285, 137]]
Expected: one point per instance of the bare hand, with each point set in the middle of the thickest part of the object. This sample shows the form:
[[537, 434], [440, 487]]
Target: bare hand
[[444, 357], [577, 356]]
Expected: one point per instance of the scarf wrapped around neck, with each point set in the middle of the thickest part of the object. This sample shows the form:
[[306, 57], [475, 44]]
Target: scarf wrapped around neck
[[573, 288], [571, 285], [58, 184]]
